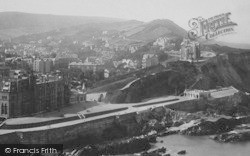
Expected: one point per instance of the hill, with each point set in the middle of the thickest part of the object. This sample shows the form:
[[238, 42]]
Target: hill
[[152, 30], [235, 45], [219, 49], [14, 24]]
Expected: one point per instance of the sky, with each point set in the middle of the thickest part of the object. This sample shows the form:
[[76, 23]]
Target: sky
[[179, 11]]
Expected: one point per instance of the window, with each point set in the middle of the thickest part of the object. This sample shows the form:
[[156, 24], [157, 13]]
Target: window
[[4, 109], [4, 97]]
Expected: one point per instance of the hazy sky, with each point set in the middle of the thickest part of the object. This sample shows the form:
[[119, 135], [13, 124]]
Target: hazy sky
[[179, 11]]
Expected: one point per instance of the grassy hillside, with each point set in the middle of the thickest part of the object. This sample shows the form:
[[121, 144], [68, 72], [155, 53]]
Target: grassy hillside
[[13, 24], [155, 29], [156, 84]]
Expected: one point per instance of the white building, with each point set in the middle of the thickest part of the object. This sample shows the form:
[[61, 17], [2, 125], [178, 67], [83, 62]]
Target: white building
[[213, 93], [149, 60], [96, 96], [197, 94], [162, 42]]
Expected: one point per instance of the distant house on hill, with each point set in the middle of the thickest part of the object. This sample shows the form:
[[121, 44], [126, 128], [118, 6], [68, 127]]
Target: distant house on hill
[[149, 60]]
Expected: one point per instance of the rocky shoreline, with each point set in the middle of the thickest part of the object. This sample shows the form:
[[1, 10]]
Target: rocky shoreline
[[223, 129], [120, 146], [239, 134], [162, 121]]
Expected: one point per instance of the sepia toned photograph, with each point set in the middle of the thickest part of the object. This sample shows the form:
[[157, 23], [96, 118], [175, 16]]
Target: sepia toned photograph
[[124, 78]]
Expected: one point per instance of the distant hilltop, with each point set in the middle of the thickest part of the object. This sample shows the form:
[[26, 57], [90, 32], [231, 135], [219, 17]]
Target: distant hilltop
[[15, 24]]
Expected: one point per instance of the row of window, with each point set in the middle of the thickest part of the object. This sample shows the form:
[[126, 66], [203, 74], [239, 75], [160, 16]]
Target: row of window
[[4, 97], [4, 109]]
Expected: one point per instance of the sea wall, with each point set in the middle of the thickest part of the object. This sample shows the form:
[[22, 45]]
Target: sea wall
[[68, 134]]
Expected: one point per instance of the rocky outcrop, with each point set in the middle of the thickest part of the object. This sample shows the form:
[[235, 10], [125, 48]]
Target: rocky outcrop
[[160, 118], [233, 136], [156, 152], [122, 146], [211, 127], [239, 134], [208, 126]]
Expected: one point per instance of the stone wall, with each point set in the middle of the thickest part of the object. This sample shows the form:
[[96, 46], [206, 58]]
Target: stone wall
[[9, 138], [68, 134]]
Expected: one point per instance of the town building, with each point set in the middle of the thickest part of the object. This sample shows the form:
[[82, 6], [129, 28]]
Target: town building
[[63, 62], [4, 71], [49, 93], [77, 97], [16, 73], [38, 66], [219, 92], [29, 61], [88, 64], [133, 49], [162, 41], [197, 94], [149, 60], [99, 97], [2, 59], [16, 97], [48, 64], [29, 95], [190, 50], [42, 65]]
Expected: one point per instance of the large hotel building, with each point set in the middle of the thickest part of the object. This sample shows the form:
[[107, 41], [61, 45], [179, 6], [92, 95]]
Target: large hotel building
[[29, 95]]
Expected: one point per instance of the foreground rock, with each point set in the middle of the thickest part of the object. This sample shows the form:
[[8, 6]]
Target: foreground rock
[[123, 146], [156, 152], [209, 126], [182, 152], [240, 134]]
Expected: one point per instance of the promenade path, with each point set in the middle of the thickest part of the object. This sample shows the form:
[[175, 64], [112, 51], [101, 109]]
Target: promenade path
[[127, 108]]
